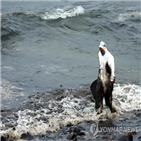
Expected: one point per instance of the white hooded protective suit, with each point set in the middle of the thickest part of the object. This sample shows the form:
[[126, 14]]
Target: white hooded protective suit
[[106, 60]]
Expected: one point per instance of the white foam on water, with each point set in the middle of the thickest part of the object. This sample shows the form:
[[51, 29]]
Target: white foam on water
[[7, 90], [74, 111], [53, 69], [127, 97], [8, 67], [130, 15], [63, 13]]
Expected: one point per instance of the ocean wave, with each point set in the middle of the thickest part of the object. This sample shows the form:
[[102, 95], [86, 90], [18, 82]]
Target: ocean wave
[[97, 13], [63, 13], [51, 111], [7, 32], [131, 16], [16, 14]]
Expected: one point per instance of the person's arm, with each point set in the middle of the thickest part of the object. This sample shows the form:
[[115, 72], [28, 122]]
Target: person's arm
[[99, 74], [112, 65]]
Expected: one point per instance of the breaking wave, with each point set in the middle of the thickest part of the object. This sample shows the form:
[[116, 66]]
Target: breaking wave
[[63, 13], [131, 16]]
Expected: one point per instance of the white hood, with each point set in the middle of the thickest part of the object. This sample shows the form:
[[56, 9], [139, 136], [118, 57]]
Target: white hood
[[103, 45]]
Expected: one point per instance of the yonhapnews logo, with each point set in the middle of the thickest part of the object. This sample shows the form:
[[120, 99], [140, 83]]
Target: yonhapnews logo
[[94, 129]]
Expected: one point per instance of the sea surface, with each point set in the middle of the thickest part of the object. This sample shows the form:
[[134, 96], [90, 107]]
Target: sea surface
[[49, 58]]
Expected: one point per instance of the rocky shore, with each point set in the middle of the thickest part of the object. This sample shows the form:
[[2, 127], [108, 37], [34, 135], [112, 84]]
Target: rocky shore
[[81, 132]]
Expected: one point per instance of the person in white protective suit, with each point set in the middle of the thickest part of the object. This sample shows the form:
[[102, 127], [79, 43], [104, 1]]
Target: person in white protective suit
[[103, 86]]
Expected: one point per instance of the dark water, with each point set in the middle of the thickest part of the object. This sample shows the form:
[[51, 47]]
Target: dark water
[[53, 45]]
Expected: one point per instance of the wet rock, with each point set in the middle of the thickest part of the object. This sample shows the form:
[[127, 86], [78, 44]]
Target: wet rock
[[26, 136], [139, 138], [14, 128], [75, 129], [60, 98], [1, 118], [112, 138], [5, 139], [105, 137], [114, 115], [81, 134], [127, 137], [80, 138], [72, 136], [74, 133]]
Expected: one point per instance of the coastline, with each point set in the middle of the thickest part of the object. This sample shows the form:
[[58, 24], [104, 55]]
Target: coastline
[[128, 119], [37, 103]]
